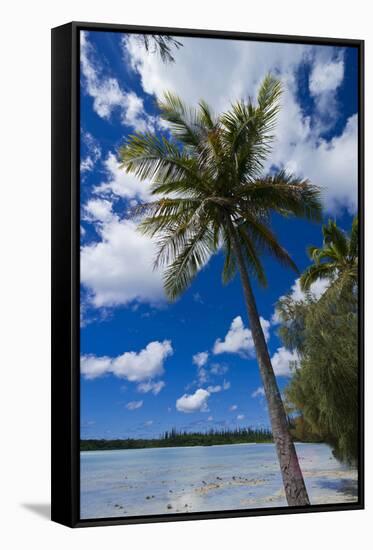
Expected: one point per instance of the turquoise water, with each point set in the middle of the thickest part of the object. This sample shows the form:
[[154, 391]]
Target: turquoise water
[[195, 479]]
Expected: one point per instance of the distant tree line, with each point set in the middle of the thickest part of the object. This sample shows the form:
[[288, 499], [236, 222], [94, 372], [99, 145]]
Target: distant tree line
[[175, 438]]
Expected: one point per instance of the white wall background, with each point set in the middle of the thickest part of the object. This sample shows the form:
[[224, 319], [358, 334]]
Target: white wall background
[[25, 268]]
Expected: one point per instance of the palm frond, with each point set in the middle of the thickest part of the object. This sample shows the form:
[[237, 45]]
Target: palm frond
[[164, 208], [315, 272], [330, 253], [335, 238], [185, 187], [265, 241], [248, 129], [148, 156], [173, 237], [269, 96], [183, 120], [284, 193], [313, 253], [196, 252], [205, 115]]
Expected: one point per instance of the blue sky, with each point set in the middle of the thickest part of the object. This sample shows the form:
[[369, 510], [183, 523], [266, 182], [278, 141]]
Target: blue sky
[[147, 365]]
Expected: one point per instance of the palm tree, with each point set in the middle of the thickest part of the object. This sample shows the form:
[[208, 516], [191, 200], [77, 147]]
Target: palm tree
[[214, 197], [336, 260]]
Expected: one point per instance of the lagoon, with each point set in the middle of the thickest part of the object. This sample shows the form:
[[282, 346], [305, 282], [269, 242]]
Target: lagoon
[[200, 479]]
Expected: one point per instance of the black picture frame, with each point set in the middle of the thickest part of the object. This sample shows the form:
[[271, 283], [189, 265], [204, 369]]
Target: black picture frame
[[65, 492]]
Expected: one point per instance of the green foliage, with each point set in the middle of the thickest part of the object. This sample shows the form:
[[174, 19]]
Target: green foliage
[[174, 438], [302, 431], [324, 388], [208, 181]]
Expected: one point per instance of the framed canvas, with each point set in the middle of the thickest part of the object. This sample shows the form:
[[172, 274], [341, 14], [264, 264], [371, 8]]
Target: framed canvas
[[207, 274]]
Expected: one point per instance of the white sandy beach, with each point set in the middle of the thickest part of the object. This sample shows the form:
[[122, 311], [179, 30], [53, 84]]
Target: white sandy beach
[[195, 479]]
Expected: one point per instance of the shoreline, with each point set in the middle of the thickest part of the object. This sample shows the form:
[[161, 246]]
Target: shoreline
[[195, 446], [175, 446]]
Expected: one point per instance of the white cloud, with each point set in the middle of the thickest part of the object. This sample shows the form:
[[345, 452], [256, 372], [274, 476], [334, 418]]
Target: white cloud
[[258, 392], [118, 269], [222, 70], [210, 418], [92, 367], [326, 76], [281, 361], [193, 402], [240, 416], [88, 162], [133, 405], [148, 363], [233, 408], [149, 386], [218, 369], [219, 387], [332, 165], [275, 318], [107, 93], [122, 184], [98, 210], [239, 339], [203, 375], [200, 359], [149, 422], [317, 289], [214, 389], [228, 70], [133, 366]]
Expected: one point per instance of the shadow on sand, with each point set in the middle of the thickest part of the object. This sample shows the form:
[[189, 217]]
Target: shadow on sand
[[347, 487]]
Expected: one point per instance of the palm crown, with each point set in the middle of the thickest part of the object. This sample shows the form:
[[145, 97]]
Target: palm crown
[[336, 259], [208, 177]]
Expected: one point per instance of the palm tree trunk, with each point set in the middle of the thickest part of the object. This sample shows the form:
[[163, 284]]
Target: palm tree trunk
[[292, 477]]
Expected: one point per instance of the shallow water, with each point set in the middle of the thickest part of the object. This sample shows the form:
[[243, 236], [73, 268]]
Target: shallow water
[[196, 479]]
